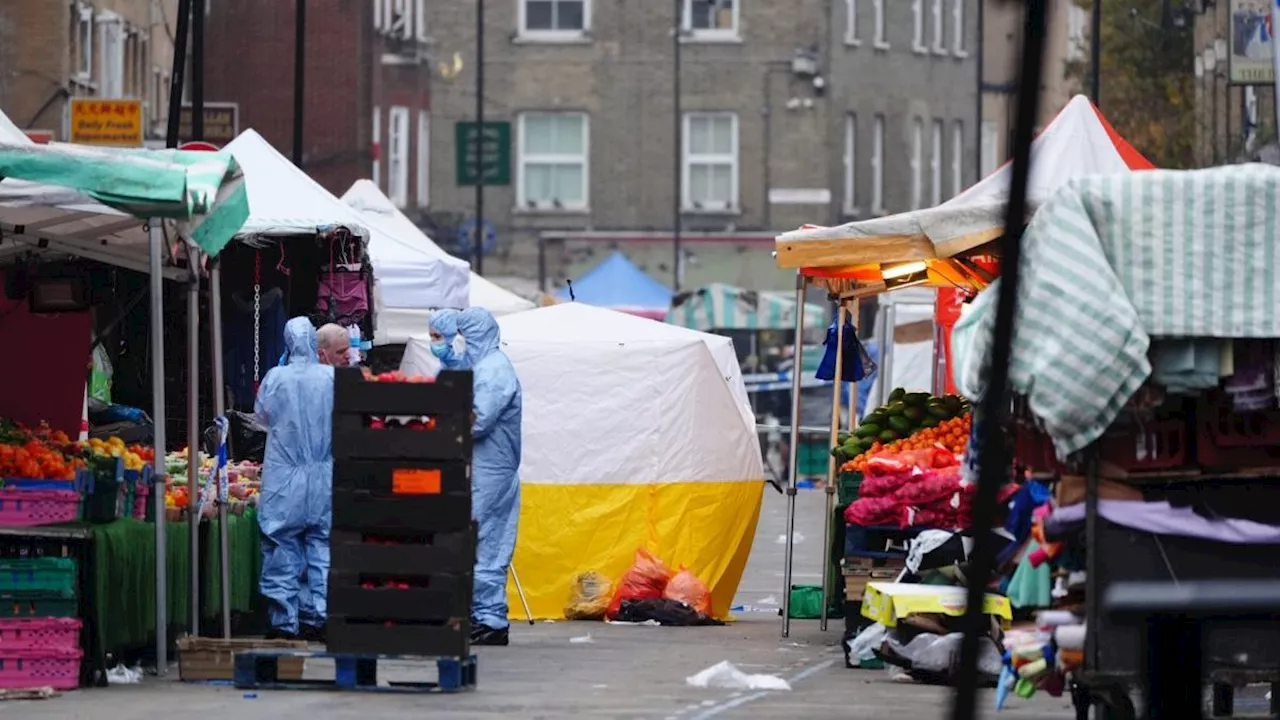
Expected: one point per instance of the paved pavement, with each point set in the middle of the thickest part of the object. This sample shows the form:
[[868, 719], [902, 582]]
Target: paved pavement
[[623, 672]]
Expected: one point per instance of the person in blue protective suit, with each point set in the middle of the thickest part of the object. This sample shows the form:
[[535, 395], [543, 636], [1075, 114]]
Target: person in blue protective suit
[[295, 405], [495, 463]]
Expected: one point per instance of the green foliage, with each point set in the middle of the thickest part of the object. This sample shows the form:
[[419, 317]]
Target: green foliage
[[1148, 90]]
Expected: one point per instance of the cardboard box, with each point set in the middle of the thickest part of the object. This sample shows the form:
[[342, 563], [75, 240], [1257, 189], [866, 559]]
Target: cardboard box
[[213, 658]]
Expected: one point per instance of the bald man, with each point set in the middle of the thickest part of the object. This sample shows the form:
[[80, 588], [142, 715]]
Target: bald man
[[333, 342]]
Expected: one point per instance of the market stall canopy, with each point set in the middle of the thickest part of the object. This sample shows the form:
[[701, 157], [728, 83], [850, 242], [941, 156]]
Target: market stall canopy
[[640, 433], [11, 134], [725, 307], [1079, 142], [619, 285], [369, 201], [88, 201], [287, 202]]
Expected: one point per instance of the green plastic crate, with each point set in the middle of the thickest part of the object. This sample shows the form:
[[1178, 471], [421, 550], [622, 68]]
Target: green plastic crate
[[49, 575], [847, 487], [106, 502], [37, 605]]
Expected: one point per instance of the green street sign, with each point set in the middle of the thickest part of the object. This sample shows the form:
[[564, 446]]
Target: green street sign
[[487, 150]]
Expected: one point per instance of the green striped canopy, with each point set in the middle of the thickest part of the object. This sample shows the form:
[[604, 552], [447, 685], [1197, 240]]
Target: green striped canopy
[[725, 307], [203, 191]]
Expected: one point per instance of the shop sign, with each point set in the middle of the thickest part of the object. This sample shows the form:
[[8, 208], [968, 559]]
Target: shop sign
[[221, 123], [483, 152], [115, 123]]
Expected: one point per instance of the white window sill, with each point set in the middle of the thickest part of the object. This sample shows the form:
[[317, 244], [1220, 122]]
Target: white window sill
[[851, 213], [919, 49], [940, 51], [882, 45], [960, 54], [552, 37], [879, 212], [526, 210], [687, 210], [711, 38], [852, 41]]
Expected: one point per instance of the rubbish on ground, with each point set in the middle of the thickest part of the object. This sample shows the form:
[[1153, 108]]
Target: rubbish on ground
[[669, 613], [589, 599], [646, 623], [582, 639], [725, 675], [250, 696], [40, 693], [121, 675], [771, 600], [685, 587], [862, 648], [797, 537], [646, 580]]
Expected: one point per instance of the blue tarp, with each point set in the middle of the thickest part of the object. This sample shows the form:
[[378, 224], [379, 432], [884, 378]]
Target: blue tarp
[[618, 284]]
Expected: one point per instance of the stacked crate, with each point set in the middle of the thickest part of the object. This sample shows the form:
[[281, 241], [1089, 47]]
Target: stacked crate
[[403, 545], [39, 630]]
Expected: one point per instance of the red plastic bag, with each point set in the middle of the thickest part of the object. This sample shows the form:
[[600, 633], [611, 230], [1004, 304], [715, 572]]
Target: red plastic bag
[[911, 461], [933, 485], [870, 512], [646, 580], [685, 587], [883, 485]]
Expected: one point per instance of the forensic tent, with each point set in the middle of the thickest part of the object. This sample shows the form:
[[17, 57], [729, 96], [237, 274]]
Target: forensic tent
[[397, 324], [1078, 142], [636, 434], [725, 307], [619, 285], [285, 201]]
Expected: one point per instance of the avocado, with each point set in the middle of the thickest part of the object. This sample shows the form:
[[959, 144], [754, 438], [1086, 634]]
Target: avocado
[[930, 422], [914, 414], [897, 408], [900, 424], [888, 436], [952, 402], [867, 430], [897, 394], [938, 411], [916, 398], [879, 417], [842, 437]]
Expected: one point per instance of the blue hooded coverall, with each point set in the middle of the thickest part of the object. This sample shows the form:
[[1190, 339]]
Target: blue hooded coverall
[[295, 510], [495, 464]]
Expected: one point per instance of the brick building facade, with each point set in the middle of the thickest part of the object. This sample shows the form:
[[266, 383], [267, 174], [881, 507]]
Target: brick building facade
[[367, 86], [53, 50], [587, 87]]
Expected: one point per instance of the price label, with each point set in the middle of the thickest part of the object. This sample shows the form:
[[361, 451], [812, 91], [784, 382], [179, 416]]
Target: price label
[[415, 482]]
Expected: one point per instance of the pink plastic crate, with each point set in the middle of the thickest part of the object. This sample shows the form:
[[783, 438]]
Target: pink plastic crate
[[142, 496], [52, 633], [24, 508], [22, 668]]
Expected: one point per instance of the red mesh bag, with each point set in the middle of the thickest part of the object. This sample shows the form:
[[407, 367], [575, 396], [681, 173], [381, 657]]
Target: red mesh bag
[[687, 588], [869, 512], [646, 580], [883, 485], [934, 485]]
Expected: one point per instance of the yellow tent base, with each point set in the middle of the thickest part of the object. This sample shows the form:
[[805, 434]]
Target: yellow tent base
[[565, 530]]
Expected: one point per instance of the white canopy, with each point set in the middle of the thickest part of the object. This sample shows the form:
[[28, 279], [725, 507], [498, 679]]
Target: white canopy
[[1078, 142], [284, 200], [397, 324]]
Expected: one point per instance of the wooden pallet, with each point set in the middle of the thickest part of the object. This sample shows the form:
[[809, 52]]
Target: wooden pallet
[[205, 659], [259, 670]]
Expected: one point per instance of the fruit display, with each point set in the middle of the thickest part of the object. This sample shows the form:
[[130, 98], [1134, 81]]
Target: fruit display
[[243, 483], [395, 377], [903, 416], [951, 434]]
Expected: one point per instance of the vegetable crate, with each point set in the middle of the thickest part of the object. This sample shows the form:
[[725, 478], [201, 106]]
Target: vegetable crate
[[1227, 439], [53, 575], [403, 543]]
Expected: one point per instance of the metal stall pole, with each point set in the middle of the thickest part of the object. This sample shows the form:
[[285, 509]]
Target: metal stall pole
[[796, 375], [832, 469], [193, 430], [155, 246], [853, 386], [219, 409]]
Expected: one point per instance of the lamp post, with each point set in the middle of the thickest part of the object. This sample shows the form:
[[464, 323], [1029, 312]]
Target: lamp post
[[1210, 61], [1095, 52], [677, 122]]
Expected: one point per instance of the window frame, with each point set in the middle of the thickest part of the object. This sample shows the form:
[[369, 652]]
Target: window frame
[[877, 165], [936, 130], [850, 204], [85, 31], [422, 156], [111, 54], [1077, 33], [917, 163], [732, 34], [937, 13], [420, 21], [522, 160], [957, 28], [881, 41], [851, 23], [733, 159], [957, 157], [917, 28], [525, 33], [989, 141], [398, 123]]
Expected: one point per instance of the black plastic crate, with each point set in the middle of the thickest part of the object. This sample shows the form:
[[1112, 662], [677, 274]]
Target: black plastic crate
[[353, 553], [448, 401], [403, 478], [358, 635], [364, 511]]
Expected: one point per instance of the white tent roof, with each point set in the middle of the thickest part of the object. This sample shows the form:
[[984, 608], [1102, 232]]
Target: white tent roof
[[373, 206], [615, 399], [1075, 144], [284, 200], [10, 134]]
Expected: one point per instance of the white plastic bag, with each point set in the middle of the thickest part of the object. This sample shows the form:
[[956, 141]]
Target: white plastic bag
[[725, 675], [862, 648]]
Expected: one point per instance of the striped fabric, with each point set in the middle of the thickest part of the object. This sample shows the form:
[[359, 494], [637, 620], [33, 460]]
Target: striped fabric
[[203, 190], [1111, 261], [725, 307]]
